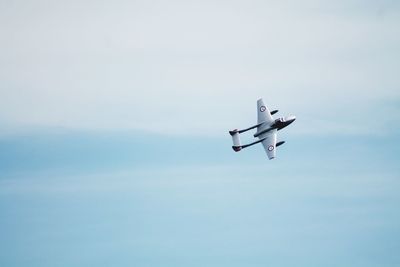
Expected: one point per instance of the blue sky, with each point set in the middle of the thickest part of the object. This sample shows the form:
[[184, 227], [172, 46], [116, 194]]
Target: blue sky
[[114, 145], [86, 199]]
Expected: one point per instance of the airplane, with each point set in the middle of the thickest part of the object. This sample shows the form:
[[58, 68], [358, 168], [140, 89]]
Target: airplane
[[267, 128]]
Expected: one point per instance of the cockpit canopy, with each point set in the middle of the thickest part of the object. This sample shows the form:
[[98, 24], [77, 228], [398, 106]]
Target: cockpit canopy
[[285, 119]]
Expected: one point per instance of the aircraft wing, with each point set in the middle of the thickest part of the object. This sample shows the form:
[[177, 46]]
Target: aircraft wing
[[263, 113], [269, 143]]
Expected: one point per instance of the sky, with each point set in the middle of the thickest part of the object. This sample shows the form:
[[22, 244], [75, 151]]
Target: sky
[[114, 144]]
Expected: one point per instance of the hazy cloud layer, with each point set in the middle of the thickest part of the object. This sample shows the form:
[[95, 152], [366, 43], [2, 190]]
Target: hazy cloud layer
[[191, 67]]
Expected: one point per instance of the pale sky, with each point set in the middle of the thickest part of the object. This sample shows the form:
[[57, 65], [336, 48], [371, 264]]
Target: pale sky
[[184, 66], [114, 144]]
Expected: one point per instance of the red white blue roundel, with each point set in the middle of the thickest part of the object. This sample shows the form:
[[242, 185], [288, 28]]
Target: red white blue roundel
[[263, 108], [270, 148]]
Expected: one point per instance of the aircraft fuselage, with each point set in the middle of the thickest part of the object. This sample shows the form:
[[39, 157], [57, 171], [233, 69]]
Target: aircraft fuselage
[[277, 124]]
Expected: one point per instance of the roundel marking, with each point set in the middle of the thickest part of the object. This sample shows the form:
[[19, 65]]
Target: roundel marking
[[263, 108], [270, 148]]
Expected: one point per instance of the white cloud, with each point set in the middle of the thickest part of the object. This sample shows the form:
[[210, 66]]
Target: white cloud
[[197, 67]]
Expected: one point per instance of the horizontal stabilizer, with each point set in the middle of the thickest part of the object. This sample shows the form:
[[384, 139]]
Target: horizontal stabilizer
[[236, 140]]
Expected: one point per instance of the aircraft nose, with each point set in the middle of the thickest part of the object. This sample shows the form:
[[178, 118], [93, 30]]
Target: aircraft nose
[[291, 118]]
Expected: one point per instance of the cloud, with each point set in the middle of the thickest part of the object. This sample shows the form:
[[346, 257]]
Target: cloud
[[181, 67]]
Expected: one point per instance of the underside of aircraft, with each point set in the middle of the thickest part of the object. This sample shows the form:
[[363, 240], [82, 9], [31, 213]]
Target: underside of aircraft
[[267, 128]]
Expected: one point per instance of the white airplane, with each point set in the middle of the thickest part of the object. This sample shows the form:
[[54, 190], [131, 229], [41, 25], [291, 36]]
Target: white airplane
[[267, 129]]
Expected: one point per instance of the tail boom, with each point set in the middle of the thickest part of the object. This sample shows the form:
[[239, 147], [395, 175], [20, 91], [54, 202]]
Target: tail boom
[[238, 148]]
